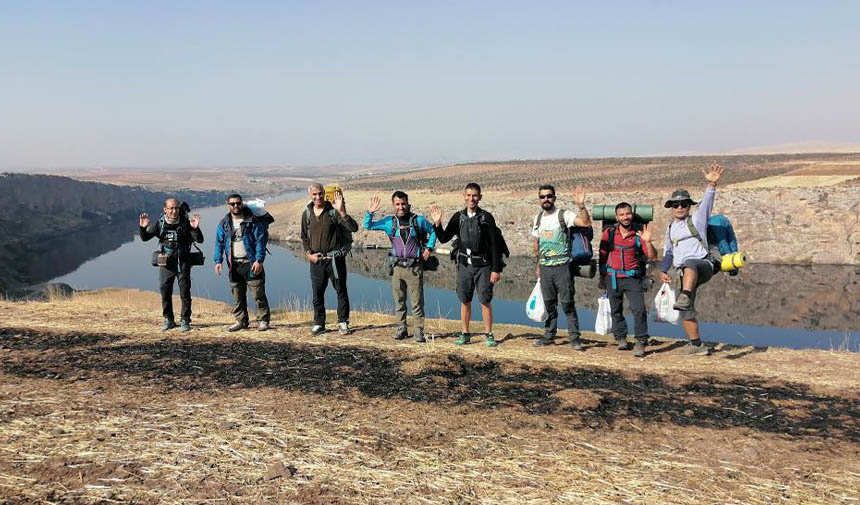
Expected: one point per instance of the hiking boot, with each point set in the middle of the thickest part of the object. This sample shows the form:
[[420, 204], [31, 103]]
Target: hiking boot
[[623, 345], [317, 329], [684, 302], [490, 340], [639, 349], [343, 328], [419, 336], [576, 343], [262, 326], [168, 324], [401, 333], [184, 326], [544, 341], [238, 325], [697, 350], [464, 338]]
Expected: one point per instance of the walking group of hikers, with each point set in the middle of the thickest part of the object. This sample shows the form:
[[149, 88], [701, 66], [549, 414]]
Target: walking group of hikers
[[478, 250]]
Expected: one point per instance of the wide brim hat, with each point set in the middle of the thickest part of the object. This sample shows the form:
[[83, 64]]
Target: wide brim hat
[[679, 195]]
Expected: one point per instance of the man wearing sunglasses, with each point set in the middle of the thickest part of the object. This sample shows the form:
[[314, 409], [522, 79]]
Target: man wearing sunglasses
[[552, 248], [687, 250], [241, 238]]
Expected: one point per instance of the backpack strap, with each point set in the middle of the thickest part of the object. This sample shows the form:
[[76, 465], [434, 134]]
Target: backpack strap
[[695, 233]]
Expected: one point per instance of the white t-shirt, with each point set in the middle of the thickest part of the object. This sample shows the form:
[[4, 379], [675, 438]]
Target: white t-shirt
[[552, 241], [238, 247]]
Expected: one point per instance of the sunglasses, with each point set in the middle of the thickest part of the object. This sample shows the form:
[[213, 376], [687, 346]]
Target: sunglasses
[[683, 205], [234, 204], [546, 197]]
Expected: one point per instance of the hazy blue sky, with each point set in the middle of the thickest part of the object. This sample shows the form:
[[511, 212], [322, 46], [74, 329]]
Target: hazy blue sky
[[185, 83]]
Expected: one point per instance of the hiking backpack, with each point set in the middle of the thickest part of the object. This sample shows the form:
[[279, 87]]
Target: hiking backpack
[[578, 239], [721, 239], [641, 259], [473, 237]]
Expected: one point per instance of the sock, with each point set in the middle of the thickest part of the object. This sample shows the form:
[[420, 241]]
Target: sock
[[688, 293], [697, 342]]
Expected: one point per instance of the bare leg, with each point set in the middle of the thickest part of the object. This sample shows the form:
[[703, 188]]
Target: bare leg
[[691, 327], [465, 316], [689, 279], [487, 313]]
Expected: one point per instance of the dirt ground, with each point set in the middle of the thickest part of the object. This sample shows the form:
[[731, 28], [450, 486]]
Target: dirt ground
[[99, 406]]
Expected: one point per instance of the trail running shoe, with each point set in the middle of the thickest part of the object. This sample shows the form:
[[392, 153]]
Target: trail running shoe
[[419, 336], [544, 341], [184, 326], [262, 326], [490, 340], [317, 329], [576, 344], [463, 339], [343, 328], [697, 350], [401, 333], [238, 325], [684, 302], [624, 345], [639, 349], [168, 324]]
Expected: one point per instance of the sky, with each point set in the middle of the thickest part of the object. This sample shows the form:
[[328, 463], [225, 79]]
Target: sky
[[272, 83]]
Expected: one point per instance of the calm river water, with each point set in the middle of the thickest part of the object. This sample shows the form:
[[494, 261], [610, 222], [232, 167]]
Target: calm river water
[[766, 305]]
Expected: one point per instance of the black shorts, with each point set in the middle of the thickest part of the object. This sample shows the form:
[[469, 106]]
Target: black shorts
[[471, 278]]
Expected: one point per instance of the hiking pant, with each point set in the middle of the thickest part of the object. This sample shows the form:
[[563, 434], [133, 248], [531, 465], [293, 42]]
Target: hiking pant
[[241, 280], [705, 270], [556, 286], [632, 287], [182, 274], [321, 272], [408, 280]]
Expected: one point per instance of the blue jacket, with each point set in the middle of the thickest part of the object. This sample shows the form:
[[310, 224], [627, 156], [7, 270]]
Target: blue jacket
[[255, 235], [385, 224]]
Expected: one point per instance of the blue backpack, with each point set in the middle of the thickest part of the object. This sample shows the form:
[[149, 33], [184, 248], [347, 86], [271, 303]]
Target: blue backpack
[[578, 239], [721, 238]]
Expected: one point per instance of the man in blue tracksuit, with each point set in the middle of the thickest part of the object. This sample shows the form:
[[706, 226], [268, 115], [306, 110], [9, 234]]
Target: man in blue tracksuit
[[241, 238], [412, 240]]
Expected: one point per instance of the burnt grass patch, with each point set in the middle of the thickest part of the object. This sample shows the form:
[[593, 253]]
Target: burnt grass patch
[[784, 408]]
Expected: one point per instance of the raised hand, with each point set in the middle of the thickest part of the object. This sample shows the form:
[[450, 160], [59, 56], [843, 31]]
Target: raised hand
[[144, 220], [374, 204], [713, 173], [645, 233], [194, 221], [436, 214], [339, 203], [579, 196]]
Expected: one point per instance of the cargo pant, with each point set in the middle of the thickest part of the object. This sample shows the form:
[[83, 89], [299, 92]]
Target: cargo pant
[[242, 279], [556, 286], [632, 287], [408, 280]]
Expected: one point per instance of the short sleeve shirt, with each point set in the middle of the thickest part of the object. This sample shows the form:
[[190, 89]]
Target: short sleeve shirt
[[552, 240]]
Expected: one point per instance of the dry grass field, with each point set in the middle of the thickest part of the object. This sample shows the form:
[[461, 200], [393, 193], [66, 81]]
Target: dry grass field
[[97, 406]]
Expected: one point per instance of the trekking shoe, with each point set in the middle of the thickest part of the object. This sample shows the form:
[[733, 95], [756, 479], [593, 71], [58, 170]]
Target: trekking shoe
[[639, 349], [401, 333], [464, 339], [544, 341], [184, 326], [238, 325], [490, 340], [317, 329], [343, 328], [576, 343], [263, 326], [697, 350], [168, 324], [419, 336], [624, 345], [684, 302]]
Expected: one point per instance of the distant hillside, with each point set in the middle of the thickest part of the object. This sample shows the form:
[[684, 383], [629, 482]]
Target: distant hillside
[[38, 208]]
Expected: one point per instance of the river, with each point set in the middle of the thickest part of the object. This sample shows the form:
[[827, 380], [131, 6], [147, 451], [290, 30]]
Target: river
[[766, 305]]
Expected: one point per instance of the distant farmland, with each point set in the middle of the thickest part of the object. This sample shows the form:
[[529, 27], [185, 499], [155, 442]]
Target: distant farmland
[[611, 174]]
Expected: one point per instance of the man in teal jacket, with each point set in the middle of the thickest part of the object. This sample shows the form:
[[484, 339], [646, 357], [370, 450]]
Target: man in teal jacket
[[412, 240]]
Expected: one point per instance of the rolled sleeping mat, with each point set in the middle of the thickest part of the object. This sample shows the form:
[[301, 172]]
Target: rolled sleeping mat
[[733, 261], [641, 213], [587, 271]]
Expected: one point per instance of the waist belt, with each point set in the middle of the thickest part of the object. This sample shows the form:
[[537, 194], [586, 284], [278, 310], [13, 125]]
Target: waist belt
[[614, 274]]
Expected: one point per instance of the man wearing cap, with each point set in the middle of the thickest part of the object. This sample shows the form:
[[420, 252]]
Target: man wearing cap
[[687, 250]]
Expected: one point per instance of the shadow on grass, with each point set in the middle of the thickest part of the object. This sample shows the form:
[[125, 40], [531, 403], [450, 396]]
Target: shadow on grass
[[710, 402]]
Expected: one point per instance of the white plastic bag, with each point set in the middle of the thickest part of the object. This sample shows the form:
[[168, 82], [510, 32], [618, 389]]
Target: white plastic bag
[[535, 308], [603, 322], [257, 206], [663, 302]]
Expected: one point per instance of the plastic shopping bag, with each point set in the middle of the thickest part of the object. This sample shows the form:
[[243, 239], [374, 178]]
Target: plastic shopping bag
[[535, 308], [257, 206], [663, 302], [603, 322]]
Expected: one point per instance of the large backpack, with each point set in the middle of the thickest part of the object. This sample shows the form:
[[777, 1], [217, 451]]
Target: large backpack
[[578, 239], [641, 259], [721, 239], [469, 237], [342, 234]]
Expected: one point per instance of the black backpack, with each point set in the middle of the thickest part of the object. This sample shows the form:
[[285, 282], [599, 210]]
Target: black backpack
[[470, 234]]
